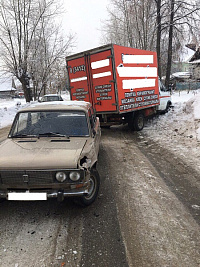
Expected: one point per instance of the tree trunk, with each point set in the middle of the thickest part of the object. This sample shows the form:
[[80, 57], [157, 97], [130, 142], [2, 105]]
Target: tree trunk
[[169, 61], [158, 18], [25, 81]]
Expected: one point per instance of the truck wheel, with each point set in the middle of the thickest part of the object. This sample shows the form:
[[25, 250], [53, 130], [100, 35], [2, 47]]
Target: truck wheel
[[168, 106], [166, 109], [93, 190], [138, 122]]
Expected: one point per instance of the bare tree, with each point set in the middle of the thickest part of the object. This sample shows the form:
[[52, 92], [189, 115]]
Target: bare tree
[[49, 49], [183, 16], [176, 21], [161, 25], [25, 41], [131, 24]]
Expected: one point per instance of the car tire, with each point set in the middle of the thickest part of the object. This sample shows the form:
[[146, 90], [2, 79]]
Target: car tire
[[88, 199]]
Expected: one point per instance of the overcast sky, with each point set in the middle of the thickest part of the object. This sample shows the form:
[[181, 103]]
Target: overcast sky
[[85, 17]]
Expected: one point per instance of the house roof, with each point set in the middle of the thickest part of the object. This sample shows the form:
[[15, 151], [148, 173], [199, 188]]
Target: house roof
[[196, 56], [7, 89], [191, 46], [195, 61]]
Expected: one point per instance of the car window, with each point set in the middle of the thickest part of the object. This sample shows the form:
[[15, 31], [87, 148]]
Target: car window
[[21, 123], [70, 123]]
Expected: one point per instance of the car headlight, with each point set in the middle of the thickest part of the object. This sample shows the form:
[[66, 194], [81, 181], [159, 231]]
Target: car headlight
[[61, 176], [74, 176]]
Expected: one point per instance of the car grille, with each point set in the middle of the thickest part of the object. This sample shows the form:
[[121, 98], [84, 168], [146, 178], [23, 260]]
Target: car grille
[[28, 177]]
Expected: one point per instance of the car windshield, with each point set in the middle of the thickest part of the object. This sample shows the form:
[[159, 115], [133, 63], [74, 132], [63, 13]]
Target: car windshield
[[50, 123]]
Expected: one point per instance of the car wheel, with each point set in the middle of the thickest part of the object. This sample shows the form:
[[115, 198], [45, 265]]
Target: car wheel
[[93, 190]]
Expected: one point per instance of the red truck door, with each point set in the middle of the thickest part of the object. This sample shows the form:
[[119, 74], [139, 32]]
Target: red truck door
[[102, 79], [91, 79], [78, 79]]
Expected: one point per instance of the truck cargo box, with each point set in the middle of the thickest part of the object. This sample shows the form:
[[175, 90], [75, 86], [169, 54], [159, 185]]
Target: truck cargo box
[[114, 78]]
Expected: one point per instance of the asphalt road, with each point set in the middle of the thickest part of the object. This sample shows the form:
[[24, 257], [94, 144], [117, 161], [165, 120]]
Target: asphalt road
[[145, 215]]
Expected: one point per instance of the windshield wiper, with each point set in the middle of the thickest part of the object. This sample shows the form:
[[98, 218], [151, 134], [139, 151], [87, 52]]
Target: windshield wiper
[[52, 134], [23, 135]]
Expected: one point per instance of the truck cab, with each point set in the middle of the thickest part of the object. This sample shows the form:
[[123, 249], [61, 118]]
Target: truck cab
[[165, 98]]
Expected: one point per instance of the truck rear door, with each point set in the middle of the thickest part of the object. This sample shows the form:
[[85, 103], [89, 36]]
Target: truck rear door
[[78, 80], [91, 79], [103, 81]]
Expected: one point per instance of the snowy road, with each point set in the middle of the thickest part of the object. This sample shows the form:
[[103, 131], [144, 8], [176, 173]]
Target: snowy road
[[147, 214], [157, 197]]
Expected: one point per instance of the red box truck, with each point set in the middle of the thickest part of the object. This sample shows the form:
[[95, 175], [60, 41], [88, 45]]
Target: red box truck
[[121, 83]]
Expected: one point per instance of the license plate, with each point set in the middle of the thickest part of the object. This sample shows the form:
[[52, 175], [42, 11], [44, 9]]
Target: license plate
[[27, 196]]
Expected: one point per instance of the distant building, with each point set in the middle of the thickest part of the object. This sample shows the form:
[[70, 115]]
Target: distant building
[[195, 60], [8, 88], [7, 93]]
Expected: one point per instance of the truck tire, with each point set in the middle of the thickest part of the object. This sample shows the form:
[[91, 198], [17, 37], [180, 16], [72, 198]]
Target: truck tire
[[138, 121], [166, 109], [88, 199], [168, 106]]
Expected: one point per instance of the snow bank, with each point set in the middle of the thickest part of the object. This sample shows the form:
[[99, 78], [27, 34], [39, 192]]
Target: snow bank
[[196, 106], [179, 129], [190, 109], [8, 109]]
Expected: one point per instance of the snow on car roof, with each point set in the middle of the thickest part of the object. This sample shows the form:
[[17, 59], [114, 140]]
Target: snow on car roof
[[51, 95], [56, 105]]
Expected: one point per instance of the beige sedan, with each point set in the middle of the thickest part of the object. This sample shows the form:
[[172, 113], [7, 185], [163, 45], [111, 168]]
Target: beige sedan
[[51, 152]]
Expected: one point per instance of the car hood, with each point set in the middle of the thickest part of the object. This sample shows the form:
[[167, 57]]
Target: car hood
[[43, 153]]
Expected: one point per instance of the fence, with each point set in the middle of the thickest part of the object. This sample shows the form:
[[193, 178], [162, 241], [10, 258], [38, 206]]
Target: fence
[[191, 85]]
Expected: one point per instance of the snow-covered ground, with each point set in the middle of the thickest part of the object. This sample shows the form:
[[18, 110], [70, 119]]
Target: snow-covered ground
[[179, 129], [9, 107]]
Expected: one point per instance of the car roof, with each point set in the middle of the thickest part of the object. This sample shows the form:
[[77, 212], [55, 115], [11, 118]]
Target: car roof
[[58, 105]]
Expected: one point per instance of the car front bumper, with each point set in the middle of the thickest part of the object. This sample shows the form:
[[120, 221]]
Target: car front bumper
[[30, 195]]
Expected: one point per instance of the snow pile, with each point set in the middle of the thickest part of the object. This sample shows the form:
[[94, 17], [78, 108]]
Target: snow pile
[[179, 129], [8, 109], [196, 106]]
